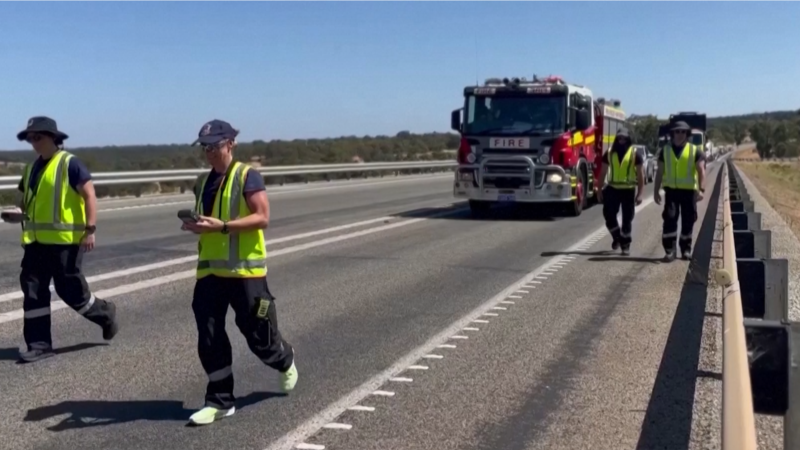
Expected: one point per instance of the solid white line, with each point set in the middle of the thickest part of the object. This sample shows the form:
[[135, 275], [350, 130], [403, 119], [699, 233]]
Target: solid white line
[[312, 425], [416, 367], [540, 278], [384, 393], [305, 446], [188, 259], [509, 302], [459, 336], [480, 321], [490, 314], [522, 292], [499, 307], [127, 288], [361, 408], [401, 379], [338, 426], [537, 282], [470, 329], [446, 346], [432, 356]]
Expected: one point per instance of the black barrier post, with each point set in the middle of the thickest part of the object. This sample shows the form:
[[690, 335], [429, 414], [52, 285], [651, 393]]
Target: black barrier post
[[753, 243], [766, 293], [743, 221]]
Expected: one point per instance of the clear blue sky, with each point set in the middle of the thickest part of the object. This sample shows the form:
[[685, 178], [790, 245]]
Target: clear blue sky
[[154, 72]]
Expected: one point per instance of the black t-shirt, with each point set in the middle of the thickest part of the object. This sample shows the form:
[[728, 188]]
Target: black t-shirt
[[699, 154], [621, 154], [253, 182]]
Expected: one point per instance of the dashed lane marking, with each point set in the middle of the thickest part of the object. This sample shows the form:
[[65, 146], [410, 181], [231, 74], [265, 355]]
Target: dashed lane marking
[[327, 415]]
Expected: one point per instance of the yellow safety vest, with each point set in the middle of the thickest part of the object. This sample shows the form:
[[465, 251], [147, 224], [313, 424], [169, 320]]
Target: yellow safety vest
[[233, 255], [623, 175], [680, 173], [56, 212]]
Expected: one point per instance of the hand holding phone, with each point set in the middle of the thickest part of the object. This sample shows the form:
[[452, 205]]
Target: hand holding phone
[[188, 216], [13, 216]]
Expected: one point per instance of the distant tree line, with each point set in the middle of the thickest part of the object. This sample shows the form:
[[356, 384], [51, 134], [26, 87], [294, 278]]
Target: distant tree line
[[404, 146], [777, 133]]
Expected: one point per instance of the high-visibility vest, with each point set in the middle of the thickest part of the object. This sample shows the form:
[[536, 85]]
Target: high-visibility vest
[[623, 175], [233, 255], [56, 212], [680, 173]]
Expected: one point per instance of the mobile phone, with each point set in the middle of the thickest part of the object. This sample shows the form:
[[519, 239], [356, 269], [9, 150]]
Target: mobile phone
[[13, 216], [188, 216]]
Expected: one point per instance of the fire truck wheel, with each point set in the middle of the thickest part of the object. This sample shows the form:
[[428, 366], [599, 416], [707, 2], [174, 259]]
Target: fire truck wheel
[[575, 208]]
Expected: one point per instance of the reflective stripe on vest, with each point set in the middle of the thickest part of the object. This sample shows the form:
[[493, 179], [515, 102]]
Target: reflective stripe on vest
[[56, 213], [623, 175], [680, 173], [235, 255]]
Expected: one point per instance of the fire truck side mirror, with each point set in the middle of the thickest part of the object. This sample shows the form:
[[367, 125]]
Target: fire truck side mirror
[[455, 120], [582, 119]]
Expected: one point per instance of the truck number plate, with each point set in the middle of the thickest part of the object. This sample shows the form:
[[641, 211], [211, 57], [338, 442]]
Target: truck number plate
[[506, 197], [511, 143]]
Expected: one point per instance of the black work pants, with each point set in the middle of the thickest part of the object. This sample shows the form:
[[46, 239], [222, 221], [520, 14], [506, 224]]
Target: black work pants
[[62, 264], [678, 202], [614, 200], [212, 295]]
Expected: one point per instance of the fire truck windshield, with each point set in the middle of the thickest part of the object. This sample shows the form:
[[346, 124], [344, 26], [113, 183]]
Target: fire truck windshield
[[697, 138], [524, 114]]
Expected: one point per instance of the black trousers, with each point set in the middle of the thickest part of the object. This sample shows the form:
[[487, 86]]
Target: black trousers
[[614, 200], [246, 296], [62, 264], [678, 202]]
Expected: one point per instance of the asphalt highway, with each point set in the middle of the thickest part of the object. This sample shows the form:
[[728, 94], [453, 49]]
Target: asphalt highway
[[415, 327]]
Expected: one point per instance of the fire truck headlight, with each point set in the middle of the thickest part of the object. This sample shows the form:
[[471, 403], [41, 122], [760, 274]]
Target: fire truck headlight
[[471, 158], [544, 158], [554, 178]]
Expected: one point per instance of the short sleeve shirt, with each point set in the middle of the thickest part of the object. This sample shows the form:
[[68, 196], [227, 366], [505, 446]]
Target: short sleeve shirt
[[77, 173], [253, 183]]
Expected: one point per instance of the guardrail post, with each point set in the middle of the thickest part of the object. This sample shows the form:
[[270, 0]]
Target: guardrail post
[[742, 205], [766, 293], [768, 358], [753, 243], [743, 221], [791, 421]]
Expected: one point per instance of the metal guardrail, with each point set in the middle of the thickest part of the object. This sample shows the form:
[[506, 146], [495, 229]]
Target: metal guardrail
[[761, 347], [738, 418], [156, 176]]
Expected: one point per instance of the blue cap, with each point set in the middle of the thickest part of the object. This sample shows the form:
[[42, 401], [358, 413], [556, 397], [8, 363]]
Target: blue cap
[[215, 131]]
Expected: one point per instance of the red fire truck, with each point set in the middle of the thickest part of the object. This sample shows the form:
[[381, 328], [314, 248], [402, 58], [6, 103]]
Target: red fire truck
[[536, 141]]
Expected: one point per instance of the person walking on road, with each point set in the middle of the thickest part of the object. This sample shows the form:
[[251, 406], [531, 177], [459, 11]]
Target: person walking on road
[[625, 169], [233, 211], [682, 169], [58, 213]]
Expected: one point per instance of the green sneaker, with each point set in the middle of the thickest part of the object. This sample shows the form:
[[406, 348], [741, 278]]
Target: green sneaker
[[209, 414], [289, 378]]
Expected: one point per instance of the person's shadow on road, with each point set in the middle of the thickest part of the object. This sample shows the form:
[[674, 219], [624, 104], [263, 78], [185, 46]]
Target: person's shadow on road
[[84, 414]]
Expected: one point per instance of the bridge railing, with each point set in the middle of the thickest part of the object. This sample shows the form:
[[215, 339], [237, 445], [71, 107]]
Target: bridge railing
[[759, 342], [156, 176]]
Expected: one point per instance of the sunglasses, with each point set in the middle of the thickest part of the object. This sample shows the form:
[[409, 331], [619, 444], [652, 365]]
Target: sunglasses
[[34, 137], [211, 147]]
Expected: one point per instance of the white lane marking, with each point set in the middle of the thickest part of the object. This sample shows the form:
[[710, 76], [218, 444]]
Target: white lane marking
[[127, 288], [271, 192], [550, 272], [384, 393], [537, 282], [446, 346], [417, 367], [459, 336], [188, 259], [433, 356], [401, 379], [490, 314], [338, 426], [540, 278], [500, 308], [312, 425], [361, 408], [522, 292], [305, 446], [480, 321], [509, 302], [470, 329]]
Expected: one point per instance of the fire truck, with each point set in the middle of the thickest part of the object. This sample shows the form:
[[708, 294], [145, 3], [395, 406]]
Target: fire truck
[[536, 141]]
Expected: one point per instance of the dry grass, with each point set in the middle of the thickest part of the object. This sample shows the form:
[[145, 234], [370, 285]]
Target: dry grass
[[779, 183], [746, 155]]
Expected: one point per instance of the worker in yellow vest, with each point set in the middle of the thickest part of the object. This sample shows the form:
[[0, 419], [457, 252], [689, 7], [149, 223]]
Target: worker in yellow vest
[[624, 168], [232, 212], [682, 173], [58, 213]]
